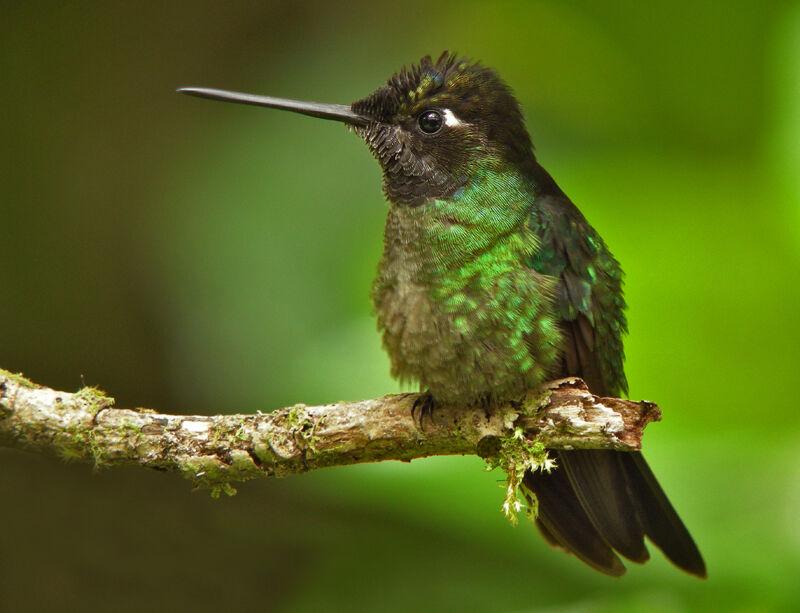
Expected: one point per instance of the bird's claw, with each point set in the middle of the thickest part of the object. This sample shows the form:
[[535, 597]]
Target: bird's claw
[[423, 407]]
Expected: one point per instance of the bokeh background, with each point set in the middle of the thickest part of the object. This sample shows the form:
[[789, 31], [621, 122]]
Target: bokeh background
[[199, 257]]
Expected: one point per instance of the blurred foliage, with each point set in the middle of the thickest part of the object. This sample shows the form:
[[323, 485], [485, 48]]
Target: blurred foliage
[[194, 256]]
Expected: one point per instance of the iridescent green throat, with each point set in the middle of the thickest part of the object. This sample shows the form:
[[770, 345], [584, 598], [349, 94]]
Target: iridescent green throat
[[460, 311]]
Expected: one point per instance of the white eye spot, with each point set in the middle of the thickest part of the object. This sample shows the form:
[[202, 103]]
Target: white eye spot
[[450, 119]]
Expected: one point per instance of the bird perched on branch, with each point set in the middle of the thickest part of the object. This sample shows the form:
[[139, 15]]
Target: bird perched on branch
[[492, 281]]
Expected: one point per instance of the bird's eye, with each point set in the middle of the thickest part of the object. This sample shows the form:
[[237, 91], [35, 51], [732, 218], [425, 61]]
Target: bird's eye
[[430, 122]]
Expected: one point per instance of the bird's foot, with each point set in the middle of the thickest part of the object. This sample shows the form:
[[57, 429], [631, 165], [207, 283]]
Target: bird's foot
[[423, 407]]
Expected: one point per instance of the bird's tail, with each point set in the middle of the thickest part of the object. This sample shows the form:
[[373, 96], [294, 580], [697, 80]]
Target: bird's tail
[[599, 503]]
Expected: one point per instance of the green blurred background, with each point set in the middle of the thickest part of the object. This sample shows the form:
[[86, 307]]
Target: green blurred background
[[199, 257]]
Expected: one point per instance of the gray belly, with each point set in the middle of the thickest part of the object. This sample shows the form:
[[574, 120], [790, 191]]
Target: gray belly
[[459, 357]]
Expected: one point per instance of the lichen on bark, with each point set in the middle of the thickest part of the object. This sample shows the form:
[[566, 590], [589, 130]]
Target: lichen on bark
[[216, 451]]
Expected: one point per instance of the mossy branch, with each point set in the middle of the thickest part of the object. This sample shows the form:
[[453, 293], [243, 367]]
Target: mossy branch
[[216, 451]]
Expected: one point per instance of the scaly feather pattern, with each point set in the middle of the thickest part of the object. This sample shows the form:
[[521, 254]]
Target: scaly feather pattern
[[450, 274]]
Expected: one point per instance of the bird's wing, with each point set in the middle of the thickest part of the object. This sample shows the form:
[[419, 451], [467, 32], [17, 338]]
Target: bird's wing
[[599, 501]]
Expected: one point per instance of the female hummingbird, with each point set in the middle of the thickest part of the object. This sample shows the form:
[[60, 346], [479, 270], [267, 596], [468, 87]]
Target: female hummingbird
[[492, 281]]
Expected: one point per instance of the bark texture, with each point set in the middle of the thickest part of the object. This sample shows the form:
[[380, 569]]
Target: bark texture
[[216, 451]]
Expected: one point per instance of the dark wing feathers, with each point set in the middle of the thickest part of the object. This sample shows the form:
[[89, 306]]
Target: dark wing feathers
[[597, 501]]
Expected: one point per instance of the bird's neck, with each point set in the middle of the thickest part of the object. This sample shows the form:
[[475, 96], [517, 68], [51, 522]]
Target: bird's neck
[[482, 230]]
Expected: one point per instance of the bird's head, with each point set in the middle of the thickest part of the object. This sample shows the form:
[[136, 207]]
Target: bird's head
[[430, 126]]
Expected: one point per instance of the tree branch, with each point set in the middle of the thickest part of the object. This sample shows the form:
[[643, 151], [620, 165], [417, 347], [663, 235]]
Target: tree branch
[[215, 451]]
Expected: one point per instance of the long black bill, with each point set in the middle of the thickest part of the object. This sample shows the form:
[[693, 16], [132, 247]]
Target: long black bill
[[337, 112]]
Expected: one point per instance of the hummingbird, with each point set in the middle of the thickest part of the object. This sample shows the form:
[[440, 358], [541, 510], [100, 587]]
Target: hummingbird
[[492, 281]]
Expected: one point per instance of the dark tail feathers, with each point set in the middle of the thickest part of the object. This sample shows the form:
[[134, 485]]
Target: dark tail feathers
[[598, 502]]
